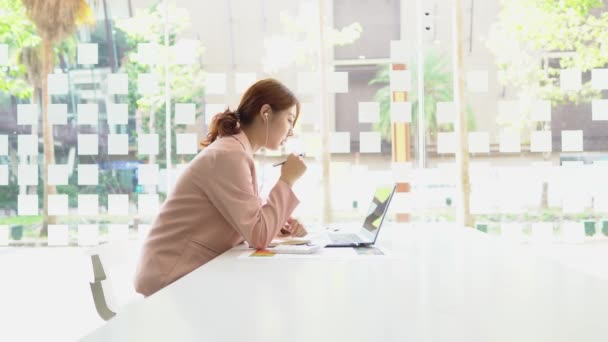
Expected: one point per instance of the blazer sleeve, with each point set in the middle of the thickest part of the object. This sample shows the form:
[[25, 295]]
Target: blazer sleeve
[[230, 189]]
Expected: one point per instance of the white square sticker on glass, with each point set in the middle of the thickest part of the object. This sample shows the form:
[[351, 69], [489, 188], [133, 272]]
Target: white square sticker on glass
[[147, 174], [308, 82], [58, 113], [540, 111], [572, 141], [570, 79], [185, 113], [540, 141], [3, 54], [369, 142], [147, 84], [118, 114], [88, 144], [510, 142], [337, 82], [58, 84], [27, 174], [147, 204], [186, 143], [148, 53], [446, 142], [309, 113], [184, 51], [88, 174], [508, 111], [215, 83], [599, 110], [339, 142], [3, 175], [147, 143], [446, 112], [401, 112], [27, 145], [27, 205], [27, 114], [88, 54], [477, 81], [88, 204], [58, 235], [3, 144], [369, 112], [599, 79], [400, 80], [244, 80], [118, 144], [212, 109], [118, 205], [58, 174], [88, 113], [58, 205], [88, 235], [479, 142], [400, 51], [118, 83], [118, 232]]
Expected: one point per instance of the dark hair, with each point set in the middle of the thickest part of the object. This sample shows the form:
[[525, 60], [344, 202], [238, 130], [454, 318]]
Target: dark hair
[[267, 91]]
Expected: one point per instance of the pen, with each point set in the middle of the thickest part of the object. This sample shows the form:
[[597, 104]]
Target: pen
[[283, 162]]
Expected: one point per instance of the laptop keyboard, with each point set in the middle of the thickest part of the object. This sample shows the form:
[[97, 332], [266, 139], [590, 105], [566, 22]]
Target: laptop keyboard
[[344, 238]]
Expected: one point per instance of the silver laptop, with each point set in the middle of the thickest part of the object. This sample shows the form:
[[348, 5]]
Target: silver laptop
[[368, 233]]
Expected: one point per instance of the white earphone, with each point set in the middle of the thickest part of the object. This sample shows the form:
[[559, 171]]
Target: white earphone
[[264, 155]]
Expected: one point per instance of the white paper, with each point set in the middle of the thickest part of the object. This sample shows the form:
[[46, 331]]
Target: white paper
[[570, 79], [58, 174], [88, 204], [215, 83], [4, 145], [27, 174], [4, 231], [185, 51], [510, 142], [118, 113], [540, 141], [186, 143], [147, 143], [599, 110], [118, 83], [3, 54], [400, 80], [3, 174], [244, 80], [446, 112], [572, 141], [88, 113], [212, 109], [118, 144], [308, 82], [87, 54], [477, 81], [185, 113], [27, 114], [148, 53], [58, 84], [147, 84], [58, 114], [147, 174], [58, 235], [147, 204], [118, 205], [118, 232], [88, 174], [58, 205], [479, 142], [369, 112], [88, 144], [446, 142], [88, 234], [599, 79], [401, 112], [369, 142], [339, 142], [27, 145], [27, 205], [400, 52], [338, 82], [541, 111]]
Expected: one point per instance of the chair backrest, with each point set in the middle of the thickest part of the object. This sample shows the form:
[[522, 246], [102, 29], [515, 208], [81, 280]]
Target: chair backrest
[[113, 266]]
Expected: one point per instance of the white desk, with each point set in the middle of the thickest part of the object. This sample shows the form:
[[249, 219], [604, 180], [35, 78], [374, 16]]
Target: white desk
[[441, 285]]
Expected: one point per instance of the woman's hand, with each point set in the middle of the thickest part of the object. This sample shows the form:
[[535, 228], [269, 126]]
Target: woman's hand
[[293, 227], [292, 169]]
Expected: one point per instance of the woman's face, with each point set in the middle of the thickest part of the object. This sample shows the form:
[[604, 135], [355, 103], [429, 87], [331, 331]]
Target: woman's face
[[280, 126]]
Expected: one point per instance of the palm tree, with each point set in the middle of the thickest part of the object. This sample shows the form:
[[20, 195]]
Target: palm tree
[[55, 20]]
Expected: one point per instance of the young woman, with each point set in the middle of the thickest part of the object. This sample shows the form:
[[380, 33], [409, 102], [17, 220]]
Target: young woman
[[215, 205]]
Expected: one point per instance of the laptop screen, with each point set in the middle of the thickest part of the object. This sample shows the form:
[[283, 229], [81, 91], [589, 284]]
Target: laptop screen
[[377, 210]]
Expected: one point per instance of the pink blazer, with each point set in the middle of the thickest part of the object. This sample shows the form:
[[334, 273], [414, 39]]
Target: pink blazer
[[213, 207]]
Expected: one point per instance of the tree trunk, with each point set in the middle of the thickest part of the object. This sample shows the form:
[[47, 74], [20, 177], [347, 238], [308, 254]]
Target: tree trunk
[[47, 132], [325, 123]]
